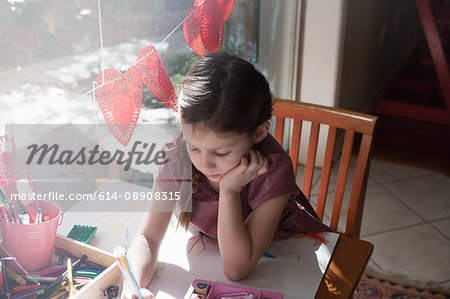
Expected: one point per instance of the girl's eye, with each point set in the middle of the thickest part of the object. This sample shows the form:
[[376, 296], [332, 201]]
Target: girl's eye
[[221, 155], [191, 149]]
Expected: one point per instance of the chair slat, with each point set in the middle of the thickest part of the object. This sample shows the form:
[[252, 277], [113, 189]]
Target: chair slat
[[357, 195], [341, 118], [326, 171], [279, 129], [311, 159], [295, 143], [344, 165]]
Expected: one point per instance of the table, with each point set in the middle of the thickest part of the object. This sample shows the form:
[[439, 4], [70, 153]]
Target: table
[[299, 268]]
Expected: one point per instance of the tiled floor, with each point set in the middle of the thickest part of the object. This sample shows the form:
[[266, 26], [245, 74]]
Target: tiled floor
[[414, 207], [407, 218]]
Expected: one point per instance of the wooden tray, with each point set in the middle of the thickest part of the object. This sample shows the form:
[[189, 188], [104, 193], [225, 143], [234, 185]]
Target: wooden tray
[[110, 276]]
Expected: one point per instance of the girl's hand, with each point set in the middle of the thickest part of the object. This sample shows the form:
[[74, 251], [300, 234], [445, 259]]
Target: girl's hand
[[242, 174], [126, 293]]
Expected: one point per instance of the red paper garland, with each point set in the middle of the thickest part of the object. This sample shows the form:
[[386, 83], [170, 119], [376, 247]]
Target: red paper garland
[[204, 28], [226, 6], [120, 96], [155, 76], [120, 100]]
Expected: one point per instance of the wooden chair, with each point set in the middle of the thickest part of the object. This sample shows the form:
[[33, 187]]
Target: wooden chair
[[338, 120]]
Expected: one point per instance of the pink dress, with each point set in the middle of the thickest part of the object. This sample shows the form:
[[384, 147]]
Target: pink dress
[[298, 216]]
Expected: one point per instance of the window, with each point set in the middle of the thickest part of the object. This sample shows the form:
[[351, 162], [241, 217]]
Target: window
[[51, 51]]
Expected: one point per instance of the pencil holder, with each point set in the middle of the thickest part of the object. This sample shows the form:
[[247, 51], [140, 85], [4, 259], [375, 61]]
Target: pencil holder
[[32, 244]]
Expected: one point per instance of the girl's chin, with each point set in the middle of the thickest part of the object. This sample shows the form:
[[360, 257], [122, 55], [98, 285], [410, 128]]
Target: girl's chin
[[214, 179]]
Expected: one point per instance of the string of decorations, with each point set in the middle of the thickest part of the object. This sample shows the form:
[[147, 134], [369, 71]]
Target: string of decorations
[[119, 95], [120, 98]]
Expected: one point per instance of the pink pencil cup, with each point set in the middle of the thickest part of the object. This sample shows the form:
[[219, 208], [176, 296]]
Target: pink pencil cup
[[32, 244]]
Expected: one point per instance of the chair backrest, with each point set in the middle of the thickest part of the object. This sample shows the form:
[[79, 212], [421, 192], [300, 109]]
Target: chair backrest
[[338, 120]]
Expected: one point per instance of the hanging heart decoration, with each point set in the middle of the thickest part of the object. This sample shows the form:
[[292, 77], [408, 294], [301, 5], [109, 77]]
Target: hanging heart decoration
[[203, 29], [155, 76], [226, 6], [120, 100]]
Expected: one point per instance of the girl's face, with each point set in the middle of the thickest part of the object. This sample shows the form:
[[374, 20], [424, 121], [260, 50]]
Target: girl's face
[[214, 153]]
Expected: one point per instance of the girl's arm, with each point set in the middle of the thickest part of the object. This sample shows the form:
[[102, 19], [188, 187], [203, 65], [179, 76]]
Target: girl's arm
[[143, 251], [242, 243]]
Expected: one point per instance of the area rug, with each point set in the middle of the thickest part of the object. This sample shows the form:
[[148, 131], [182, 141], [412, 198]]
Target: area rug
[[375, 286]]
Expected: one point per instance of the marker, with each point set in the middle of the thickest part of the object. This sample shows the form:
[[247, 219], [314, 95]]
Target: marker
[[53, 270], [20, 207], [15, 214], [121, 255], [33, 188], [69, 276], [3, 194], [39, 216], [81, 280], [19, 279], [24, 288], [45, 279], [26, 219], [33, 219], [51, 287], [30, 214], [89, 271], [59, 294], [54, 292], [26, 294], [11, 214], [86, 274]]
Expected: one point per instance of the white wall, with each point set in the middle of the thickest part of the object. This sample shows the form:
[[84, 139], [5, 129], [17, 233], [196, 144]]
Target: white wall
[[351, 50], [322, 51], [323, 36]]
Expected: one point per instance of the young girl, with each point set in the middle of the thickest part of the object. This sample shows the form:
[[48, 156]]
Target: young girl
[[243, 185]]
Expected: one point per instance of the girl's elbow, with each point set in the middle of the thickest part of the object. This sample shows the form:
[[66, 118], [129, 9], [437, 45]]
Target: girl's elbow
[[236, 272]]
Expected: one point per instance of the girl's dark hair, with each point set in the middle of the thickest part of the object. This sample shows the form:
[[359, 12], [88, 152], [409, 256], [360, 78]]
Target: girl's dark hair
[[227, 94]]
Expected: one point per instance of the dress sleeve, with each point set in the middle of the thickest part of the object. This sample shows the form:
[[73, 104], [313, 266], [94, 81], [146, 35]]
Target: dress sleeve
[[279, 180]]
